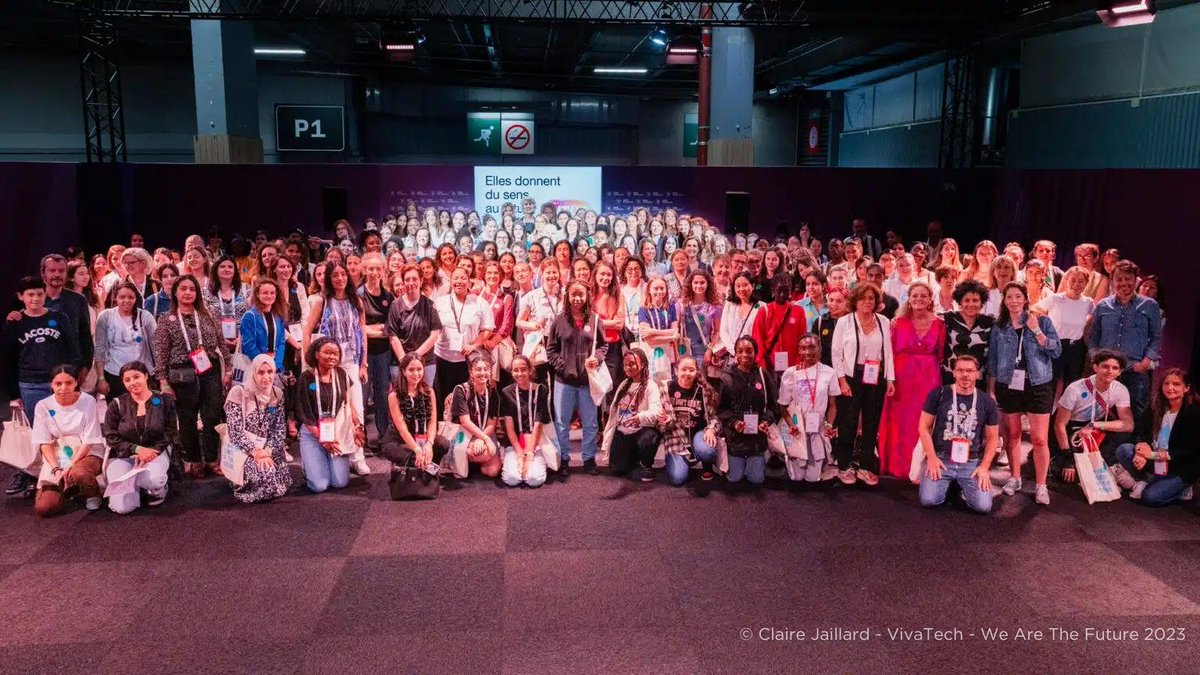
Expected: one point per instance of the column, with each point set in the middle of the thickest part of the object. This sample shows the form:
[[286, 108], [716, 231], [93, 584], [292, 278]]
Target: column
[[732, 104], [225, 77]]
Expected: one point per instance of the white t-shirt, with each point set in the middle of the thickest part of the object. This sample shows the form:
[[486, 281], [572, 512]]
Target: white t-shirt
[[461, 324], [1082, 403], [52, 421], [994, 300], [542, 307], [1163, 441], [870, 346], [1068, 316], [806, 390]]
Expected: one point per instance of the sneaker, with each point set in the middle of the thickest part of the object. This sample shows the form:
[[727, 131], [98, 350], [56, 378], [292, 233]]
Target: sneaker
[[1012, 487], [93, 503], [647, 475], [359, 466], [1002, 459], [590, 468], [156, 501], [18, 484], [287, 457], [1121, 477], [564, 468], [1041, 495], [1187, 494], [829, 473], [847, 477], [1138, 488], [709, 475], [866, 477]]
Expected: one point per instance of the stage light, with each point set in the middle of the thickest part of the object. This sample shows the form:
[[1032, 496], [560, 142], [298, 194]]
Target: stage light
[[683, 53], [279, 51], [1119, 13], [659, 37], [606, 70]]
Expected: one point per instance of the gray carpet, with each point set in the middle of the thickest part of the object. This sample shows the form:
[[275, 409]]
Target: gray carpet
[[596, 575]]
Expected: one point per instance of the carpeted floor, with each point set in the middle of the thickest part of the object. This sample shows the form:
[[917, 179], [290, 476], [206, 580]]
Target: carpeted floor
[[596, 575]]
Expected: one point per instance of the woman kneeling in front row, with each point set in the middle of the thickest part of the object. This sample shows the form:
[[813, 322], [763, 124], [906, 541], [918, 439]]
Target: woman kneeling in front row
[[475, 406], [329, 434], [411, 406], [257, 424], [692, 401], [631, 435], [525, 408], [140, 427], [747, 413]]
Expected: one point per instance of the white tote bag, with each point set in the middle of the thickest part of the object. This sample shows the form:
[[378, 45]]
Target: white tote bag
[[1095, 478], [240, 363], [233, 458], [916, 467], [16, 445], [455, 461], [599, 379]]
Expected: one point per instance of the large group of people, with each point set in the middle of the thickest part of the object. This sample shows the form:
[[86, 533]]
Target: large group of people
[[482, 346]]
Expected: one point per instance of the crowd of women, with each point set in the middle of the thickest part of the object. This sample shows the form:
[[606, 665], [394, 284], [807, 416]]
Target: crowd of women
[[481, 346]]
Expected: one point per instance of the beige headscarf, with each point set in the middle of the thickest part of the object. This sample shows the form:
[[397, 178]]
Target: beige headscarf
[[249, 392]]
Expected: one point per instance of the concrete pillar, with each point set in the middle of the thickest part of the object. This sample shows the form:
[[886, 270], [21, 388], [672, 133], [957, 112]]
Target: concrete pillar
[[226, 82], [732, 106]]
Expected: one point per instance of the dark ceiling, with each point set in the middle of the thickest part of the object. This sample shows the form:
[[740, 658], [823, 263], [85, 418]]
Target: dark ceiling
[[823, 44]]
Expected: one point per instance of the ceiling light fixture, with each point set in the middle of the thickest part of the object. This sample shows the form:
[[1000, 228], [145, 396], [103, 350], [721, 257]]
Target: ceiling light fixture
[[607, 70], [279, 51], [659, 37], [1119, 13]]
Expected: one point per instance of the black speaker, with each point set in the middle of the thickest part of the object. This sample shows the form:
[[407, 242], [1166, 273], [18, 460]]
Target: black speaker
[[333, 206], [737, 212]]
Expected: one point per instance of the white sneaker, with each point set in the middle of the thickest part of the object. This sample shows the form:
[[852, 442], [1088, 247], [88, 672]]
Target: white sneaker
[[359, 466], [93, 503], [1012, 487], [1138, 488], [1121, 477], [287, 457], [1187, 494], [829, 472], [1041, 495]]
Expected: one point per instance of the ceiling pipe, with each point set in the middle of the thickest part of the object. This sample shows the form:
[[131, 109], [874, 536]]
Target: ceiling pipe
[[705, 89]]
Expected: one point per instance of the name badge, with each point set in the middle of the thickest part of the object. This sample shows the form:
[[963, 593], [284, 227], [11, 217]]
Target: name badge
[[228, 328], [960, 450], [454, 343], [297, 332], [1018, 381], [326, 429], [870, 372], [1160, 467], [750, 420], [781, 361], [200, 360], [812, 422]]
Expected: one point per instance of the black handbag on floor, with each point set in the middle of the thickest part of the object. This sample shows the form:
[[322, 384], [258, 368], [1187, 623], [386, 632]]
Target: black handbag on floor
[[409, 482]]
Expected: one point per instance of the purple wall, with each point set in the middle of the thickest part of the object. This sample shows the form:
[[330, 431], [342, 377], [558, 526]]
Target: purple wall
[[1150, 215]]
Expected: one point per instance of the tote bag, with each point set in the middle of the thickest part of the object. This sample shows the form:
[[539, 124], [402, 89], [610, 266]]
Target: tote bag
[[408, 483], [455, 461], [534, 348], [233, 458], [16, 445], [1095, 478], [599, 379]]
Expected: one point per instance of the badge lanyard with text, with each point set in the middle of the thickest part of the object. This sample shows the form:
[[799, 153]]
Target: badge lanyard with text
[[325, 424], [812, 419], [199, 357], [871, 368], [1018, 375], [228, 325], [750, 420], [960, 445]]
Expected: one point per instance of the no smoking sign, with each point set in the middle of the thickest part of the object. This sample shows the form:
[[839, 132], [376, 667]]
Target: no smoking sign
[[518, 137]]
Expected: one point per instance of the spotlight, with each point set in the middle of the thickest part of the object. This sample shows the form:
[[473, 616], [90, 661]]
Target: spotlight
[[1118, 13], [659, 37], [683, 52]]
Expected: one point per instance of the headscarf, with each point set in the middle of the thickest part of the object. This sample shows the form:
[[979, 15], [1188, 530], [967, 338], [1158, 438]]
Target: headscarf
[[251, 391]]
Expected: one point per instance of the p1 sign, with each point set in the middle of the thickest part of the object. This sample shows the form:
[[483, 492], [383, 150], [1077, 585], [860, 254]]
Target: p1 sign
[[311, 128]]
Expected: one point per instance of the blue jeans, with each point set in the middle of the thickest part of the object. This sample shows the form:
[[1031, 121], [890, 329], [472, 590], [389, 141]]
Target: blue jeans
[[379, 374], [568, 400], [754, 469], [31, 393], [677, 465], [321, 469], [933, 493], [1139, 400], [1160, 490]]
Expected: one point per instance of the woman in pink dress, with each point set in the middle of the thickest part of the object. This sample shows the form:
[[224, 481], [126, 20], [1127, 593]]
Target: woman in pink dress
[[918, 341]]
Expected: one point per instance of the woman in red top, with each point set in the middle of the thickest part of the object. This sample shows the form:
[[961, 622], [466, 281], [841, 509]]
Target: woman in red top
[[778, 327]]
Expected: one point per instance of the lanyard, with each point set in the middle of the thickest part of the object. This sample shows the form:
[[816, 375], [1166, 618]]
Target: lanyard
[[742, 330], [532, 406], [483, 416], [554, 308], [457, 325], [696, 323], [653, 314], [419, 422], [183, 329], [1089, 383], [954, 410], [333, 385], [812, 386]]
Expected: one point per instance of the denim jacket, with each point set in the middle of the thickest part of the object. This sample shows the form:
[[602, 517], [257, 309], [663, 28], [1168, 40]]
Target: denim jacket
[[1002, 352], [1134, 328]]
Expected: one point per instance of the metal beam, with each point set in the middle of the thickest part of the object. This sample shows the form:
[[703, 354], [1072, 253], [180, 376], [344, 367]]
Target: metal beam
[[771, 13], [100, 87]]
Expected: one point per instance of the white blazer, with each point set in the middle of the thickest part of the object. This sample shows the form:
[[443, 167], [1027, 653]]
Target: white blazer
[[842, 349]]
